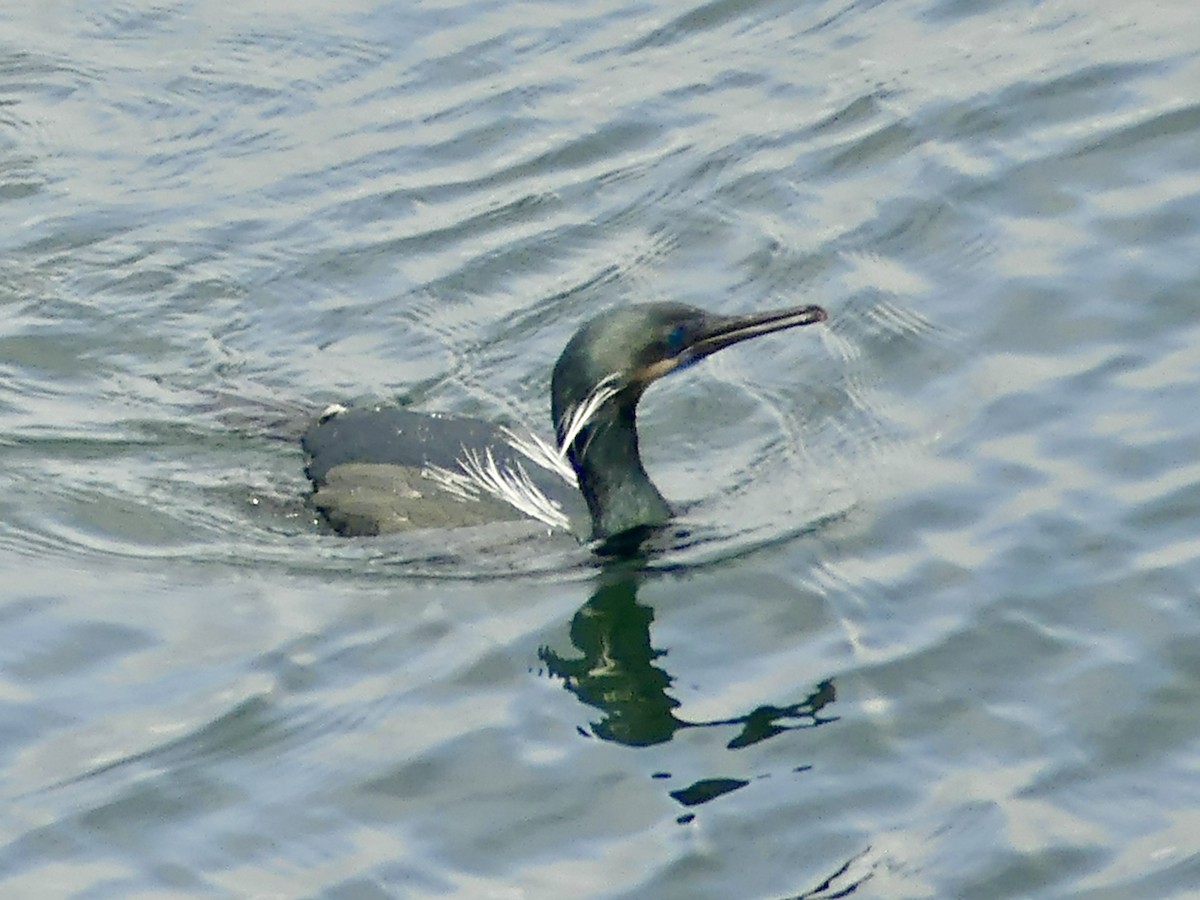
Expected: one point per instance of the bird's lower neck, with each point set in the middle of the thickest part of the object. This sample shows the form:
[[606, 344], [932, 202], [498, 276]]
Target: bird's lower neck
[[619, 494]]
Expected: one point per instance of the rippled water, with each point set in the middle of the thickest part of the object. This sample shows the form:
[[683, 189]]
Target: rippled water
[[928, 626]]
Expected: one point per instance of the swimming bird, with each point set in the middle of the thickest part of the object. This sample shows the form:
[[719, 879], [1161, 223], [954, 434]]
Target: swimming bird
[[385, 468]]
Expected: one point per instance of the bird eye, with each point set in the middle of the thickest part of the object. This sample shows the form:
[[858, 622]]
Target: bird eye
[[676, 339]]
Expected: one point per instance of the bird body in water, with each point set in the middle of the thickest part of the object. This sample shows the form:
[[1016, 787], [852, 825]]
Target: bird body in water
[[380, 469]]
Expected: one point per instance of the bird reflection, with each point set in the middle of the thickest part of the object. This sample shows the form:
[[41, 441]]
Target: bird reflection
[[616, 674]]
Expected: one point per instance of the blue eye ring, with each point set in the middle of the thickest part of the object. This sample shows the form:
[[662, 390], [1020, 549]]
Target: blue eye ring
[[677, 339]]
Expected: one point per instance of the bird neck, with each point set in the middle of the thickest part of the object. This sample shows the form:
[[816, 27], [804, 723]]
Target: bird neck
[[619, 494]]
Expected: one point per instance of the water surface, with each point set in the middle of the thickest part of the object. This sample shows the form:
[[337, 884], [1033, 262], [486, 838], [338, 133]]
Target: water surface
[[927, 626]]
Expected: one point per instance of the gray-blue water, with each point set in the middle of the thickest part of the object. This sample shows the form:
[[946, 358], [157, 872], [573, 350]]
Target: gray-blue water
[[932, 629]]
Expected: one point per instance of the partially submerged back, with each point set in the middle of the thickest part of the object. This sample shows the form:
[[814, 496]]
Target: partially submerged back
[[383, 469]]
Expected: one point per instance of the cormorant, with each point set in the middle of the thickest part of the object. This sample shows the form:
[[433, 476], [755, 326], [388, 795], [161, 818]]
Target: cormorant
[[382, 469]]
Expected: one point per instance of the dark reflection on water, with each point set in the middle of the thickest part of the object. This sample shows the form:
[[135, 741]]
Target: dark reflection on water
[[621, 673]]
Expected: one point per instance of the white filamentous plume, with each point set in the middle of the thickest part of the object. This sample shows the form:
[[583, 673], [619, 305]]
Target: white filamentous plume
[[480, 473], [542, 452], [545, 454], [457, 484], [579, 416], [512, 484]]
